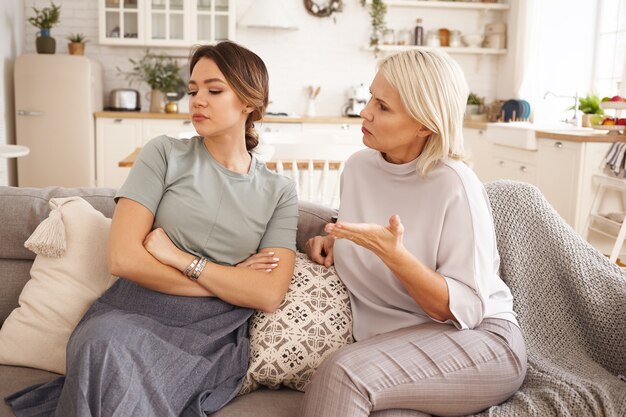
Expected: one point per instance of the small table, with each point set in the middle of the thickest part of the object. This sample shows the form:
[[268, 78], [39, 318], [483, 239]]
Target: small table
[[13, 151], [130, 159]]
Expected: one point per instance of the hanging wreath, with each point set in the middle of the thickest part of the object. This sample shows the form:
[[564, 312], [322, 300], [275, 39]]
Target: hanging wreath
[[323, 8]]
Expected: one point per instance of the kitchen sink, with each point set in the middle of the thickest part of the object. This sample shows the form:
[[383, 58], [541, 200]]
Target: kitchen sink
[[522, 134], [514, 134]]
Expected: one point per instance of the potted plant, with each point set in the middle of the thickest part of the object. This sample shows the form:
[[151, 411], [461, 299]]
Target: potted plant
[[44, 20], [160, 72], [473, 104], [589, 105], [377, 11], [77, 43]]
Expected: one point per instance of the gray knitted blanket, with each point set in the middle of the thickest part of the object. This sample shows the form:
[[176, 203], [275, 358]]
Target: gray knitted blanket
[[571, 303]]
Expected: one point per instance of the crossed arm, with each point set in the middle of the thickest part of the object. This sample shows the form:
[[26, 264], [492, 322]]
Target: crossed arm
[[151, 260]]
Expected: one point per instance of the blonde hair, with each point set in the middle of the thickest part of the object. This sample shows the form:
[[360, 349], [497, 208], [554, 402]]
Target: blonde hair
[[434, 92]]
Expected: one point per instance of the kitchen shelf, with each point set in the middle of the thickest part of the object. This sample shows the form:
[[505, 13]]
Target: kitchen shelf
[[448, 5], [450, 50]]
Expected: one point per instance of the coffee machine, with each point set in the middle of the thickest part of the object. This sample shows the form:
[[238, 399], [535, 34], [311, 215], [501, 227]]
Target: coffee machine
[[358, 96]]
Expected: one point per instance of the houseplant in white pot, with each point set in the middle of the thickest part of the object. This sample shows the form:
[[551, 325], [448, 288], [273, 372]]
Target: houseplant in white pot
[[473, 104], [160, 72], [44, 20]]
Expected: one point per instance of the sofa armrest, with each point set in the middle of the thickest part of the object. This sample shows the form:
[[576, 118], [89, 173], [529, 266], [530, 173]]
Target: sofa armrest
[[313, 218]]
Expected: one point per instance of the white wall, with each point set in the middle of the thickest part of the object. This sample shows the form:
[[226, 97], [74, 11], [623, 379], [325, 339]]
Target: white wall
[[11, 42], [321, 52]]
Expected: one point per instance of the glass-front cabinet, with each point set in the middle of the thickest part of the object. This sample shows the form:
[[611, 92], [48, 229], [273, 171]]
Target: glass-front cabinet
[[166, 22], [121, 22], [214, 20]]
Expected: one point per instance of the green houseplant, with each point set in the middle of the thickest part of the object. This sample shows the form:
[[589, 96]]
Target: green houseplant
[[473, 104], [377, 11], [44, 20], [77, 43], [589, 105], [160, 72]]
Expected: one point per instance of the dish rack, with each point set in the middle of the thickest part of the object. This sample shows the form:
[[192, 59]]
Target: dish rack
[[618, 106]]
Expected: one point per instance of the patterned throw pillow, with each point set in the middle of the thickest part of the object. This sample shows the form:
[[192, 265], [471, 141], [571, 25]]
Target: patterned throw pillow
[[314, 320]]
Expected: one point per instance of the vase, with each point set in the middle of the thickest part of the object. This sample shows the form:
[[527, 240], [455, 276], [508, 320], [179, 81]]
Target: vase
[[45, 43], [157, 98], [586, 120], [76, 48], [171, 107]]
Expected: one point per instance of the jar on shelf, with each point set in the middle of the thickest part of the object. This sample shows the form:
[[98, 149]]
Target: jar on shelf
[[455, 39], [432, 38], [404, 37], [389, 37], [444, 37]]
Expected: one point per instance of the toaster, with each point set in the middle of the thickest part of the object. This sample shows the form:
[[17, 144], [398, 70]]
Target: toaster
[[124, 99]]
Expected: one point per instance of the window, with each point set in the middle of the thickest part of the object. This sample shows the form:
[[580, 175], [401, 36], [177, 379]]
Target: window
[[610, 62]]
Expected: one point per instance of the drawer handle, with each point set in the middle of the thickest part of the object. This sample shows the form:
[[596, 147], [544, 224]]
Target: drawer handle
[[480, 132], [523, 168], [345, 126], [187, 122], [118, 120], [501, 163], [559, 145]]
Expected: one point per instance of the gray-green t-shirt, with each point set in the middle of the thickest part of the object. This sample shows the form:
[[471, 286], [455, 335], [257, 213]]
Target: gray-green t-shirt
[[207, 209]]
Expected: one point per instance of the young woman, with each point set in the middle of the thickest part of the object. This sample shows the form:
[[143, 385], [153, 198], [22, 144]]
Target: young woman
[[434, 323], [202, 234]]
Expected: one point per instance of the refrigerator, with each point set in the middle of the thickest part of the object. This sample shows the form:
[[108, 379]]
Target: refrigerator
[[55, 98]]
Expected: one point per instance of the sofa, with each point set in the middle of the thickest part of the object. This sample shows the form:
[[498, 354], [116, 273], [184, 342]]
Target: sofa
[[571, 303]]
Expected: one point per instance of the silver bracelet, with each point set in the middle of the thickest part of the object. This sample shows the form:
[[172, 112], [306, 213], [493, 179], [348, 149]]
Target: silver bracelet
[[191, 266], [198, 270]]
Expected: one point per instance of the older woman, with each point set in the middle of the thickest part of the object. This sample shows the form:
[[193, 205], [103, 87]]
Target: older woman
[[415, 246]]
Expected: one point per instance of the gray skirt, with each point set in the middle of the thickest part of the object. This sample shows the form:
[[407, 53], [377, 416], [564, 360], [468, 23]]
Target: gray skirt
[[137, 352]]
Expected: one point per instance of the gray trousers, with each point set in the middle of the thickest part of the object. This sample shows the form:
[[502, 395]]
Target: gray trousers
[[427, 369]]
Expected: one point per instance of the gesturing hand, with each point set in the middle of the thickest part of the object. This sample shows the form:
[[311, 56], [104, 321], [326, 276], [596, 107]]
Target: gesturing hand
[[161, 247], [382, 240], [264, 261]]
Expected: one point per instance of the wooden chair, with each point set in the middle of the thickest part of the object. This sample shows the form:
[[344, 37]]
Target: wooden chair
[[314, 160]]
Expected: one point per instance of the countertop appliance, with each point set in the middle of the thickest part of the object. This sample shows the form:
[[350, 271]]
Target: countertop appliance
[[358, 96], [124, 99], [55, 98]]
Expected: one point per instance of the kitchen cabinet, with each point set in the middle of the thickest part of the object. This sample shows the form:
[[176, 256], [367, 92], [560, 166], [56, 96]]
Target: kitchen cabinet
[[512, 163], [561, 169], [175, 128], [478, 151], [567, 169], [406, 11], [166, 22], [115, 139]]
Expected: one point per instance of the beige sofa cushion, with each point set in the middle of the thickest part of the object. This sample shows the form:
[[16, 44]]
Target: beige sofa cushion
[[59, 292], [314, 320]]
